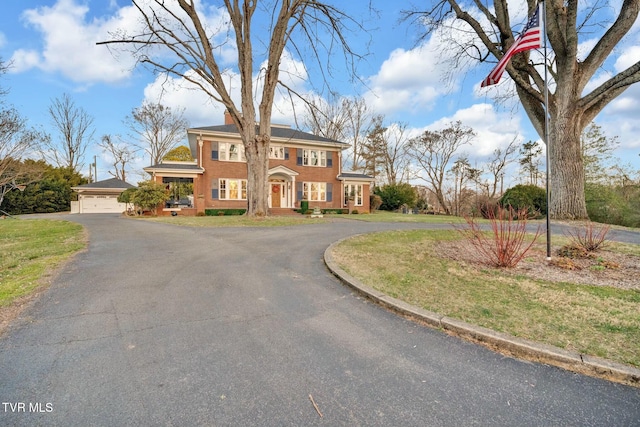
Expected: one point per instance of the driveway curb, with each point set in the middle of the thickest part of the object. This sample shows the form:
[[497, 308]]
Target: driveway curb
[[497, 341]]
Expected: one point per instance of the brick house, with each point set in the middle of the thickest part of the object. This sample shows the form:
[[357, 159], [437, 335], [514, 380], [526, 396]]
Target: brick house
[[302, 166]]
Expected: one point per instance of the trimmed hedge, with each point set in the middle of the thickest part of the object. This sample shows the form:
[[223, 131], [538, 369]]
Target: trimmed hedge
[[335, 211], [224, 212]]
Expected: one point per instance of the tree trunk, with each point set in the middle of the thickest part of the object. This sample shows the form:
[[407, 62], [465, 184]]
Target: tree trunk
[[257, 153], [566, 172]]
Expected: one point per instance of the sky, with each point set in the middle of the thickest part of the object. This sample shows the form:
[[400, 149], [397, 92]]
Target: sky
[[51, 48]]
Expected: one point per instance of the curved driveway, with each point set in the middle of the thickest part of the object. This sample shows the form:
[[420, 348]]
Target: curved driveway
[[170, 326]]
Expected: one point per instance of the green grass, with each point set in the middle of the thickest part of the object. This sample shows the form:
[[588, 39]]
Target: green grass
[[30, 249], [385, 216], [594, 320], [279, 221]]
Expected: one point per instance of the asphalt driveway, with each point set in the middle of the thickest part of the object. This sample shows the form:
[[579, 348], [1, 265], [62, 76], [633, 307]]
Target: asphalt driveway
[[163, 325]]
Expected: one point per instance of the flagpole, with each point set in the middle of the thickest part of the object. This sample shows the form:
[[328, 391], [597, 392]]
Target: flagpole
[[547, 140]]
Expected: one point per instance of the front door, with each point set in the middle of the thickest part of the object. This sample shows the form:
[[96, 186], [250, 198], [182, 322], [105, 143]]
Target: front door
[[276, 195]]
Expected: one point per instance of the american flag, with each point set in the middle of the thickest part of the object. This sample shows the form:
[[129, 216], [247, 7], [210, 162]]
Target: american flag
[[531, 38]]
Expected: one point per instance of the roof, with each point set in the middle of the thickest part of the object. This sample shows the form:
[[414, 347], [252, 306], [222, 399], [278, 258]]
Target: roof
[[355, 176], [277, 132], [107, 184], [175, 166]]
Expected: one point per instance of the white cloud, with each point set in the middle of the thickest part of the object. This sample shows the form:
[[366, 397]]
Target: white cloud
[[69, 43], [493, 129], [23, 60], [202, 110], [629, 56], [408, 80]]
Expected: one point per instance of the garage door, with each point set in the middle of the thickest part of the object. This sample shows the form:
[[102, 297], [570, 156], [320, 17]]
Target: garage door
[[101, 204]]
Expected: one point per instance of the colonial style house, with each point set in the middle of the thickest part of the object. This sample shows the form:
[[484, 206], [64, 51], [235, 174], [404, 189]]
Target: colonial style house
[[302, 166]]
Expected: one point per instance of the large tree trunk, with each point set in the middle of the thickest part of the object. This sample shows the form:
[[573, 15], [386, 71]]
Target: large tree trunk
[[257, 153], [566, 172]]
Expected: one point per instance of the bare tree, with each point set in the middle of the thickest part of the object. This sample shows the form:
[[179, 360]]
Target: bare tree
[[16, 140], [75, 129], [597, 154], [571, 106], [461, 171], [327, 118], [433, 150], [343, 119], [385, 149], [197, 59], [158, 129], [500, 159], [121, 154], [530, 161], [359, 119]]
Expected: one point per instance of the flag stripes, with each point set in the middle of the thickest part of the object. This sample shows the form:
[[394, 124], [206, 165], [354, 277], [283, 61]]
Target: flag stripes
[[531, 38]]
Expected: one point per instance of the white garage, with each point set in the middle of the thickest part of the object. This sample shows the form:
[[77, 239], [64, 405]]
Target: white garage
[[100, 197]]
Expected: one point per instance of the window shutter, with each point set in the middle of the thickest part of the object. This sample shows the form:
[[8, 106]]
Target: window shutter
[[298, 191], [299, 157], [214, 188], [214, 151], [329, 190], [329, 159], [286, 153]]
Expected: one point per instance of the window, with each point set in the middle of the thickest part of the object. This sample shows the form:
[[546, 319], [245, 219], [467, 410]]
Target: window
[[231, 152], [276, 152], [315, 191], [355, 191], [232, 189], [314, 158]]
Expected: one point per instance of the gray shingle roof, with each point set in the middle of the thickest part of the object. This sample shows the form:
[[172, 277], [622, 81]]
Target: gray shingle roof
[[176, 165], [113, 183], [276, 132], [353, 175]]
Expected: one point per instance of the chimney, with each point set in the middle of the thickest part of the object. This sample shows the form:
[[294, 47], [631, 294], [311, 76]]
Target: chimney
[[227, 118]]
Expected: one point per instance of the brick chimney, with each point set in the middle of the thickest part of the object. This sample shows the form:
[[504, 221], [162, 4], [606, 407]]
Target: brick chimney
[[227, 118]]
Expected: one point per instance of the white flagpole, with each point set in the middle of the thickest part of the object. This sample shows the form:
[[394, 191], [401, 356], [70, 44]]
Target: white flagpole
[[547, 139]]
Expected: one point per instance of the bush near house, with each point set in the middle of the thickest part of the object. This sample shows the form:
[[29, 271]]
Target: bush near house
[[146, 197], [224, 212], [396, 195]]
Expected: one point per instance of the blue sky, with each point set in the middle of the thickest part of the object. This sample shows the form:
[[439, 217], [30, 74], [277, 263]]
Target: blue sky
[[51, 45]]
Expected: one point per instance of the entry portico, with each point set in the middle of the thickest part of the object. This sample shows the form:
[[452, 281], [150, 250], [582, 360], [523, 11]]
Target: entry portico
[[282, 184]]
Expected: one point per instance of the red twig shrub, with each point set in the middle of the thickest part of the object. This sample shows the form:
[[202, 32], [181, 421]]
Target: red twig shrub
[[506, 244], [589, 237]]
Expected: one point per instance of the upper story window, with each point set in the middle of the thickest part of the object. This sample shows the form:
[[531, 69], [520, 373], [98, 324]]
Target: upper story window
[[316, 158], [277, 152], [228, 152]]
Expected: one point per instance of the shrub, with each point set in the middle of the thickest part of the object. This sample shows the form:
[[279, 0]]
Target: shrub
[[531, 198], [486, 207], [304, 206], [222, 212], [613, 205], [590, 237], [375, 201], [395, 195], [149, 195], [505, 245]]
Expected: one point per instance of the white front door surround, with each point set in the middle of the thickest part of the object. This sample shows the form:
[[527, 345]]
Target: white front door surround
[[282, 184]]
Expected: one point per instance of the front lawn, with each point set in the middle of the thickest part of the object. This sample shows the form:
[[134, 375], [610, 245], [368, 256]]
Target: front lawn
[[30, 250], [603, 321]]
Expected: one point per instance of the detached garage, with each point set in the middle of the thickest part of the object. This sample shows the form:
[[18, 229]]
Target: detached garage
[[100, 197]]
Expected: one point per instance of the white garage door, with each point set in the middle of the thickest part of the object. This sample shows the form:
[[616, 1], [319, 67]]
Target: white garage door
[[101, 204]]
